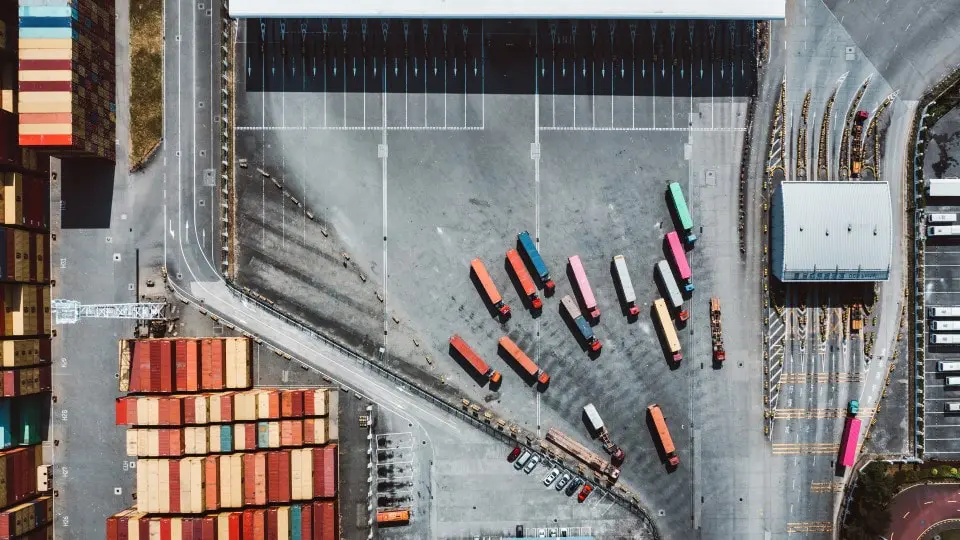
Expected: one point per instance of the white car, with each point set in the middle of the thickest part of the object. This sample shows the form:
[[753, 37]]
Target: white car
[[563, 481], [532, 464], [554, 473]]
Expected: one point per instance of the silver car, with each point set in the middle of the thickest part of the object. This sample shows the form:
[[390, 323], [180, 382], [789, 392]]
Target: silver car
[[563, 481], [532, 464], [554, 473]]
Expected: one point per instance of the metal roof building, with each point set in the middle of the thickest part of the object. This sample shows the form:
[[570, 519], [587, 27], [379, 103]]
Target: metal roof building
[[832, 231], [551, 9]]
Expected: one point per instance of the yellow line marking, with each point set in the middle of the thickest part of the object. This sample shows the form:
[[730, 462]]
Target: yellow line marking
[[820, 377], [809, 527], [809, 414]]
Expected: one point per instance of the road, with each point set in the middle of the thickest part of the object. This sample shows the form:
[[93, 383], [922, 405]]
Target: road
[[919, 508]]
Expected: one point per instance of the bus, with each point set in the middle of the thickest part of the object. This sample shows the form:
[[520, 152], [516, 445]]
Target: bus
[[680, 260], [533, 254], [849, 440], [666, 441], [944, 311], [669, 331], [941, 218], [493, 295], [393, 516], [626, 285], [583, 284], [683, 213]]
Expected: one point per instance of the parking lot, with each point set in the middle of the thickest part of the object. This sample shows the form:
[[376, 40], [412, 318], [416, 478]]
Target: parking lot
[[942, 286], [377, 201]]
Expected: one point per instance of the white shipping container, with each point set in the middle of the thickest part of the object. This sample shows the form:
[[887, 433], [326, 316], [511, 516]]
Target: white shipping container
[[333, 428], [623, 275], [944, 311], [593, 417], [945, 339], [943, 187], [943, 230], [670, 284], [941, 218], [949, 326], [306, 471], [948, 366]]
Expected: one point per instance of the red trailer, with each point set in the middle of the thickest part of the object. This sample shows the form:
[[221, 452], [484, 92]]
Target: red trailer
[[523, 276], [490, 288], [474, 360]]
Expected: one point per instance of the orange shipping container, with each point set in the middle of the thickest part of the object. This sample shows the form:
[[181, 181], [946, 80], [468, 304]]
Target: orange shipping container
[[46, 129], [45, 43], [46, 118], [260, 478], [211, 482]]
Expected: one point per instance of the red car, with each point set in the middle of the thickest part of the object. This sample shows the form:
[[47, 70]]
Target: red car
[[584, 492], [514, 454]]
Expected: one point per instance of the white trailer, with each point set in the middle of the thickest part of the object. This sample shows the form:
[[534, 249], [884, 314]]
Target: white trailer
[[670, 284], [943, 230], [626, 285], [944, 367], [593, 417], [941, 218], [944, 311], [945, 339], [946, 326], [943, 187]]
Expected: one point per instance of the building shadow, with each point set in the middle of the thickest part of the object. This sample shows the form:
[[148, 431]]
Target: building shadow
[[86, 193]]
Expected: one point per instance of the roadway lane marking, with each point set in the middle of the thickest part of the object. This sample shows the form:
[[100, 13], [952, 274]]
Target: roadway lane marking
[[928, 502], [905, 515]]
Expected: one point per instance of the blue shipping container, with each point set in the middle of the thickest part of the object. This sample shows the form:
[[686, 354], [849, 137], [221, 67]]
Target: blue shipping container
[[6, 430], [584, 328], [526, 242], [49, 11], [263, 435], [49, 33], [296, 530], [226, 438], [45, 22]]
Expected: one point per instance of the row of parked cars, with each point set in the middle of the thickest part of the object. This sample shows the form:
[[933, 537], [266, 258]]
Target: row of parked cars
[[528, 461]]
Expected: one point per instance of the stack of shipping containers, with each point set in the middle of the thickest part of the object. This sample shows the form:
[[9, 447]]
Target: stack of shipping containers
[[220, 460], [66, 77]]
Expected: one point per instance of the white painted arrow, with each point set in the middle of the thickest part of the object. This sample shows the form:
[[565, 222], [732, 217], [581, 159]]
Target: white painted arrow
[[171, 230]]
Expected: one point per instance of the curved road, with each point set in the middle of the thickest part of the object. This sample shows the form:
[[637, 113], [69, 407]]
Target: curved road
[[918, 508]]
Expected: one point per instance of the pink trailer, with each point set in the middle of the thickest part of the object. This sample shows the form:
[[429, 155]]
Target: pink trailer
[[680, 260], [848, 444], [586, 293]]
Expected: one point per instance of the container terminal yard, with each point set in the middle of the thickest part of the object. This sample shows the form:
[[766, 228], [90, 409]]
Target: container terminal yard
[[469, 271]]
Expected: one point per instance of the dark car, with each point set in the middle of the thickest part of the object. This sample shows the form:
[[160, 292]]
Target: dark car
[[574, 486], [514, 454]]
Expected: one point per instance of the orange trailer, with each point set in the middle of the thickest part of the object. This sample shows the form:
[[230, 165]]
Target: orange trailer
[[664, 434], [525, 362], [523, 276], [393, 516], [471, 357], [493, 295]]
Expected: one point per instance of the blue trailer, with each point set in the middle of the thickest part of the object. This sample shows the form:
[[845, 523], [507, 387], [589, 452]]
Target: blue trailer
[[529, 249]]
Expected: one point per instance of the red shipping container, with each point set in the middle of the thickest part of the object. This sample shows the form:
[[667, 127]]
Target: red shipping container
[[329, 471], [112, 528], [286, 404], [193, 368], [274, 401], [234, 525], [329, 520], [120, 407], [211, 482], [209, 528], [260, 526], [272, 523], [154, 366], [217, 357], [180, 365], [189, 410], [306, 522], [176, 443], [249, 477], [198, 529], [45, 65], [248, 525], [175, 486], [131, 410], [308, 408], [175, 411], [165, 529], [164, 436], [135, 368], [162, 406], [285, 476], [206, 377], [298, 403], [226, 406], [251, 436], [123, 528], [144, 528], [318, 477], [166, 366]]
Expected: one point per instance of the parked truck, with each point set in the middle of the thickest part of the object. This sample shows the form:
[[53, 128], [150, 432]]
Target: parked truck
[[481, 367], [521, 358], [583, 327], [582, 453], [489, 288], [716, 331], [856, 145], [679, 257], [944, 311], [665, 275], [679, 204], [529, 248], [856, 318], [523, 276], [583, 285], [600, 430], [666, 442], [851, 436], [669, 330], [626, 285], [393, 516]]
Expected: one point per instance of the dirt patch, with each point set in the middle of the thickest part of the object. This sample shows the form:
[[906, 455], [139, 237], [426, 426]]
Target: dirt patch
[[146, 79]]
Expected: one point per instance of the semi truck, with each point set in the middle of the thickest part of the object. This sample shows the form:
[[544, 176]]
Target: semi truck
[[529, 248], [669, 283], [679, 257], [941, 218], [583, 285], [597, 427], [850, 437], [523, 276], [952, 312], [626, 285], [521, 358], [943, 230], [679, 204], [946, 326], [489, 288], [591, 459], [669, 331], [666, 442], [945, 339], [393, 516], [716, 331], [481, 367], [583, 327]]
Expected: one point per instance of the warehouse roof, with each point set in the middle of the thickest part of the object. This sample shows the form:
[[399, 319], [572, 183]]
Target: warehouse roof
[[461, 9], [843, 230]]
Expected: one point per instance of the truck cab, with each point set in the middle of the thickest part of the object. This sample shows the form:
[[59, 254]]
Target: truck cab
[[853, 407]]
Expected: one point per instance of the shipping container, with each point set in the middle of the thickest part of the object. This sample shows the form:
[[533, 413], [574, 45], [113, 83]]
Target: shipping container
[[592, 311], [491, 293], [943, 187]]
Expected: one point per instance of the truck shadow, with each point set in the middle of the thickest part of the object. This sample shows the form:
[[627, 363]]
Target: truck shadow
[[652, 429], [664, 345], [576, 294], [624, 309], [491, 309], [468, 367], [575, 332], [533, 271], [524, 376], [524, 299]]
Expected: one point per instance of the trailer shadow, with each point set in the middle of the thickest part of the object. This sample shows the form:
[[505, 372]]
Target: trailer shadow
[[468, 367], [491, 309], [524, 299]]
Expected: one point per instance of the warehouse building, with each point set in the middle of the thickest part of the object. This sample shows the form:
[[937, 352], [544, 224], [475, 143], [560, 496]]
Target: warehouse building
[[832, 231]]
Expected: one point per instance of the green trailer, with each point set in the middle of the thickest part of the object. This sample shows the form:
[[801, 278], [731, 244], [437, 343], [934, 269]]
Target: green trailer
[[679, 204]]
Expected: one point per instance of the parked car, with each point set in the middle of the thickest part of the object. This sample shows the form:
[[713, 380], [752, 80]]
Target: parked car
[[514, 454], [554, 473], [532, 464], [585, 492], [563, 481], [574, 486], [521, 461]]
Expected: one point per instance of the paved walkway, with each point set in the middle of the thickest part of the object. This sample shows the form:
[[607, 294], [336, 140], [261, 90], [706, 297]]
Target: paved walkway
[[915, 510]]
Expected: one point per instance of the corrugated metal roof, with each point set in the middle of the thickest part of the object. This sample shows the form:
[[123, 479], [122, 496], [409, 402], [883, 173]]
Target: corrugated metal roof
[[553, 9], [832, 231]]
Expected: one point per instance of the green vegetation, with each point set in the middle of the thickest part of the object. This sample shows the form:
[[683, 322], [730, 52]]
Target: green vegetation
[[146, 74], [868, 516]]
